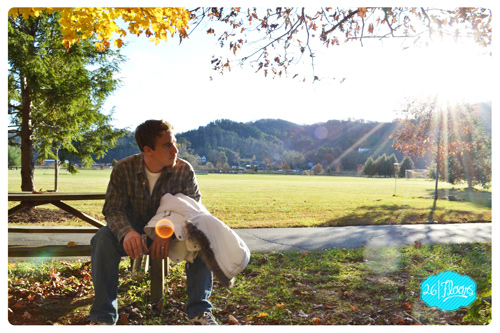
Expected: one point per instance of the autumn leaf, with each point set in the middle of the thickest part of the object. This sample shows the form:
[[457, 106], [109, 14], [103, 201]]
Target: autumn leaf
[[101, 22], [262, 315], [71, 244], [123, 319], [17, 307], [280, 305], [118, 43], [233, 320], [362, 12], [355, 308], [54, 275]]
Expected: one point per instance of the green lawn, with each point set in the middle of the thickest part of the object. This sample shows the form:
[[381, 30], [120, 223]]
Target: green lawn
[[333, 287], [243, 201], [336, 287]]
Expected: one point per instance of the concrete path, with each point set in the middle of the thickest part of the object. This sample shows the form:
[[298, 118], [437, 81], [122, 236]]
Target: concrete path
[[309, 239]]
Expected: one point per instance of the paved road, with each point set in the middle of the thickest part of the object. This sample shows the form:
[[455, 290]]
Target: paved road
[[309, 239]]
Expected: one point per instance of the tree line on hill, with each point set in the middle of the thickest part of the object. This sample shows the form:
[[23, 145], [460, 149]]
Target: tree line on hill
[[272, 144], [333, 147]]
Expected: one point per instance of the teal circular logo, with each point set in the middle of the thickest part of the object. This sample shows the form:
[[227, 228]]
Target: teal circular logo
[[448, 291]]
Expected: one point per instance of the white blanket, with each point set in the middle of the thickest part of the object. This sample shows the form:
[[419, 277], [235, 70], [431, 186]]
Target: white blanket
[[191, 219]]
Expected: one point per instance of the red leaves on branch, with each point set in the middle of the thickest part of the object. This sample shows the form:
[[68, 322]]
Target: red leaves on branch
[[428, 125]]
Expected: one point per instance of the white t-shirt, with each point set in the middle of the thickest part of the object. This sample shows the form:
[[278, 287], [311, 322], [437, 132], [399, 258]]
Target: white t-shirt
[[152, 178]]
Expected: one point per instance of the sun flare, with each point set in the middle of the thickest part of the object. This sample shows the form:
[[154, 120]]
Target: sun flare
[[455, 72]]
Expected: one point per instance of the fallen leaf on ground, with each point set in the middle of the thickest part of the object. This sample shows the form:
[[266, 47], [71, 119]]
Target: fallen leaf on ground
[[233, 320], [17, 306], [123, 319]]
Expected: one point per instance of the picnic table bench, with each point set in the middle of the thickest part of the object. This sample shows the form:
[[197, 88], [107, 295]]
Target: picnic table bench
[[159, 268]]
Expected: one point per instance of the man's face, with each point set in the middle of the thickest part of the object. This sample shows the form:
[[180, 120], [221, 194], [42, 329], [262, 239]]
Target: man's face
[[164, 154]]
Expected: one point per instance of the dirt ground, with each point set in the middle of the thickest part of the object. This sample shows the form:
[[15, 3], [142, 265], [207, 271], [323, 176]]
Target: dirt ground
[[26, 310], [38, 215]]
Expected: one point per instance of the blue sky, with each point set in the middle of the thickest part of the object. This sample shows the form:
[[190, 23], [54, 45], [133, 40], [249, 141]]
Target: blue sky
[[172, 82]]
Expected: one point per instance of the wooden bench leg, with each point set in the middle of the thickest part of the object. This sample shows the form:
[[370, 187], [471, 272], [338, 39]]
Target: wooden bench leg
[[25, 205], [159, 269], [157, 274]]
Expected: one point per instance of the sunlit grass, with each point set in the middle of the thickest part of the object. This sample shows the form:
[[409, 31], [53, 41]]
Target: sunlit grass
[[260, 200], [274, 201], [333, 287]]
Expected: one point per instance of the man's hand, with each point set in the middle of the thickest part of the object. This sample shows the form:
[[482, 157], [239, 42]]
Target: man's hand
[[159, 248], [133, 245]]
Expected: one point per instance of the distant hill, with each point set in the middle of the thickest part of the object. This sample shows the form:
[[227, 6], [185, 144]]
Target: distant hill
[[269, 143], [272, 142], [275, 143]]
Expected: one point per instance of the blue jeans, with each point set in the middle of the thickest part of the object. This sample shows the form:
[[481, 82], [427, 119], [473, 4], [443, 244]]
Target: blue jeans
[[106, 255]]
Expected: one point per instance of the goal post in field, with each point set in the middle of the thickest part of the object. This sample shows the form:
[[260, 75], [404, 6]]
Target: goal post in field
[[417, 174]]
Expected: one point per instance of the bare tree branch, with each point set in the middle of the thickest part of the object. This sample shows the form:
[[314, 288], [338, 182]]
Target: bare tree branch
[[293, 28], [345, 19]]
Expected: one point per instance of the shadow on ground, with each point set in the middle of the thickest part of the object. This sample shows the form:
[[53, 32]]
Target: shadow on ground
[[404, 214], [479, 198]]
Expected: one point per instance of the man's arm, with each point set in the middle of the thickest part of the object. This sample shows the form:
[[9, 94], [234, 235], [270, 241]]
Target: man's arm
[[115, 210]]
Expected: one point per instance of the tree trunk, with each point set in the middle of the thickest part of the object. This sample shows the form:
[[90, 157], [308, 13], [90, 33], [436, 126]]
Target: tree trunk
[[467, 162], [438, 154], [437, 176], [56, 169], [27, 156]]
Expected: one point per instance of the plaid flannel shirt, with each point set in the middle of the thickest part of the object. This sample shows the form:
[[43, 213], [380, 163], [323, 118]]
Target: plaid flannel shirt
[[128, 203]]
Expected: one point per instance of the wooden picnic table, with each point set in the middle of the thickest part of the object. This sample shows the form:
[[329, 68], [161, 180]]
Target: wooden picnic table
[[29, 200], [159, 267]]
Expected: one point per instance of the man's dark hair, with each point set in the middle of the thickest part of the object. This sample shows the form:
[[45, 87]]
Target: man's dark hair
[[147, 132]]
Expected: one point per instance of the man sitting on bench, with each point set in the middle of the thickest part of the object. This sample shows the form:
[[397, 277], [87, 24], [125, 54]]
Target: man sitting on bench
[[136, 186]]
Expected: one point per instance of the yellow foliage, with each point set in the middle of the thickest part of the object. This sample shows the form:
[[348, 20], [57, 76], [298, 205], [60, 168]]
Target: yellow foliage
[[81, 23]]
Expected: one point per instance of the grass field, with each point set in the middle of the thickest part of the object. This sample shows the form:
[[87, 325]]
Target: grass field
[[244, 201], [333, 287]]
